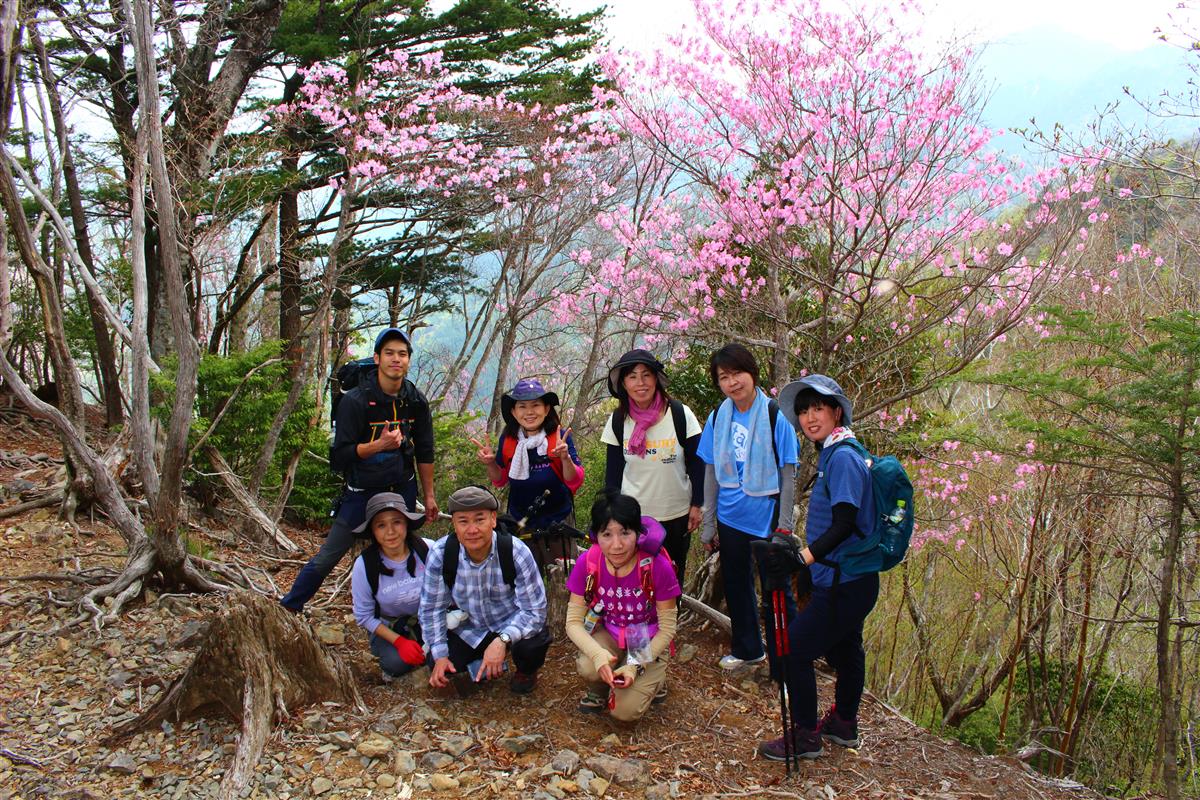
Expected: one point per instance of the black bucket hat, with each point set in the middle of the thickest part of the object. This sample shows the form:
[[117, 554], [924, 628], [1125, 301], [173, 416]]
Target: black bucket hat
[[630, 359], [526, 389]]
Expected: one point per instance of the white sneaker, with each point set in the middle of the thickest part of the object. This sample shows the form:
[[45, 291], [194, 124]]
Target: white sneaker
[[733, 662]]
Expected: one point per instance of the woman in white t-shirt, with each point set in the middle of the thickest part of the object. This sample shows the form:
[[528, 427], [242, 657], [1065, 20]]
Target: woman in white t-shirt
[[654, 459]]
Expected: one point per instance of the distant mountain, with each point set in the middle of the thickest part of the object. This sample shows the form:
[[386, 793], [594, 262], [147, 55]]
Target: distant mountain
[[1054, 76]]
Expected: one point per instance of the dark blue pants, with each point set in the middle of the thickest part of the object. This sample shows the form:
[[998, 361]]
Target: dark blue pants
[[385, 652], [738, 571], [831, 625], [351, 512], [677, 542]]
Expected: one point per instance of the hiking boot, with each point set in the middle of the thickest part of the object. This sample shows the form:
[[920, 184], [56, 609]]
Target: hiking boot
[[592, 702], [731, 661], [522, 683], [806, 744], [838, 730], [661, 695]]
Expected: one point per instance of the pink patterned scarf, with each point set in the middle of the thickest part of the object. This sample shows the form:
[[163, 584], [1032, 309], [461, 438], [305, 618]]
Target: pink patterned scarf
[[643, 419]]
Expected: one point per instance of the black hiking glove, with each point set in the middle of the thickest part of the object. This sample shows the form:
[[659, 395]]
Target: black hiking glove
[[781, 559]]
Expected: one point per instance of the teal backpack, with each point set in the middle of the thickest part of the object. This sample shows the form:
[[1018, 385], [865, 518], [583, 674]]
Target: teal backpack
[[883, 547]]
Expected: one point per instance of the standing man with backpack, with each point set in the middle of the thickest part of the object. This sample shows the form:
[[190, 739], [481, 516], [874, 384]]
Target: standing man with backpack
[[840, 564], [382, 442], [492, 579]]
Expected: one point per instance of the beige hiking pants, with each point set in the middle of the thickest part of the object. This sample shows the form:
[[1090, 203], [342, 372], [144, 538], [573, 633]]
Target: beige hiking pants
[[632, 701]]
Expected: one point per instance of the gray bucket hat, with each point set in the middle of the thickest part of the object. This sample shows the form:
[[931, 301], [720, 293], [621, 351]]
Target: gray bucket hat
[[390, 500], [821, 384]]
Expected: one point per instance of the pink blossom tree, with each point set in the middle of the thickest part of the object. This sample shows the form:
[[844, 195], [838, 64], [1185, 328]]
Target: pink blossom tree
[[834, 200]]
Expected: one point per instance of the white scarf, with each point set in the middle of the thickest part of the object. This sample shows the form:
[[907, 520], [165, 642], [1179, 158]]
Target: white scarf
[[518, 470]]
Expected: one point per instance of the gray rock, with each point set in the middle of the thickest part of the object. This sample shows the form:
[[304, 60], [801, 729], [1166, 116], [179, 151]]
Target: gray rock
[[321, 785], [421, 740], [686, 653], [435, 760], [122, 763], [456, 745], [659, 791], [628, 772], [565, 761], [118, 679], [521, 744], [314, 723], [385, 781], [404, 763], [342, 739], [424, 714]]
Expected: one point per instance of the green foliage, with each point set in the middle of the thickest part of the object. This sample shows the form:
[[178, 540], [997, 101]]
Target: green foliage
[[245, 391], [1117, 740]]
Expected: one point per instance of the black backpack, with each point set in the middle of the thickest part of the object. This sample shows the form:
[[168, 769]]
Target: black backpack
[[504, 550], [347, 377], [373, 562]]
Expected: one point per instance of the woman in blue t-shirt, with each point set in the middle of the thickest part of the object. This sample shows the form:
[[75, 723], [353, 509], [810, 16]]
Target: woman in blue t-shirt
[[749, 485], [841, 509], [535, 456], [385, 583]]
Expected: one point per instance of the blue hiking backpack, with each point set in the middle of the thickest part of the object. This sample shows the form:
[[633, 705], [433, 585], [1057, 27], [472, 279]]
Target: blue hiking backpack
[[883, 547]]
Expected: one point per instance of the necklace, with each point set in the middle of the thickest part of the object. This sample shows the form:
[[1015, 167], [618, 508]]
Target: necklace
[[615, 570]]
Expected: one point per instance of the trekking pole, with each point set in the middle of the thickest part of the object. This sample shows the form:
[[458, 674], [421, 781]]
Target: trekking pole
[[783, 649], [778, 639]]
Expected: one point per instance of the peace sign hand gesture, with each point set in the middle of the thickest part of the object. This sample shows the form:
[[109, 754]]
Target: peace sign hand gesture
[[561, 450], [485, 453]]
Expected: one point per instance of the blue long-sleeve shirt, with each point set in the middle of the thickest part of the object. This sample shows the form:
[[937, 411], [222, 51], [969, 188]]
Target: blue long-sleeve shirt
[[480, 591]]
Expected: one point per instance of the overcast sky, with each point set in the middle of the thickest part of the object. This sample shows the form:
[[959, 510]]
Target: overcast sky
[[1122, 24]]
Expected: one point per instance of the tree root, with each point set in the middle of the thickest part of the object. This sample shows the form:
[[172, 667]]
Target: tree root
[[708, 612], [45, 501], [255, 662]]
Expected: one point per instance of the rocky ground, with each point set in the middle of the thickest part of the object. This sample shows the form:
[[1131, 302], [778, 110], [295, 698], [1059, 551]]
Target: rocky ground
[[64, 692]]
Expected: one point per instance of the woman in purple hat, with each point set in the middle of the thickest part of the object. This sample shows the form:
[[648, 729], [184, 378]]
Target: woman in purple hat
[[534, 456], [652, 441]]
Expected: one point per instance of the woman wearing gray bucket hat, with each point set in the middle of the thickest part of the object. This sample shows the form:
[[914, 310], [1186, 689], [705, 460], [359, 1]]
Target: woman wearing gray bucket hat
[[651, 455], [386, 580], [841, 509]]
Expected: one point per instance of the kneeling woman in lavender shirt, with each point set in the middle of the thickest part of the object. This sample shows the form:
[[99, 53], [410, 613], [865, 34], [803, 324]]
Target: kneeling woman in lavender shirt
[[386, 584]]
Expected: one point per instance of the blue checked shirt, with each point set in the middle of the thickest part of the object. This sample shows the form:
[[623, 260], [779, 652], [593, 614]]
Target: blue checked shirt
[[480, 591]]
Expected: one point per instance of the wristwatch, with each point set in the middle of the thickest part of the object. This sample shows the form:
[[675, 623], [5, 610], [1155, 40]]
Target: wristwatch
[[504, 637]]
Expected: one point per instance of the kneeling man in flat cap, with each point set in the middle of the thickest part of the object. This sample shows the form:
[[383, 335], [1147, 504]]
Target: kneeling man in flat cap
[[492, 580]]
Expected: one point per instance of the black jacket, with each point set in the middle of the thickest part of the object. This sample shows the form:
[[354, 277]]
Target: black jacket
[[363, 414]]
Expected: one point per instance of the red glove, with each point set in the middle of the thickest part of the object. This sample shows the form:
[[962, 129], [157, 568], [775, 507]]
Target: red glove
[[410, 652]]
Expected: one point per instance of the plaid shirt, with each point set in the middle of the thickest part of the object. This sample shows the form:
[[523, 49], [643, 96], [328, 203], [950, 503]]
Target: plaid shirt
[[480, 591]]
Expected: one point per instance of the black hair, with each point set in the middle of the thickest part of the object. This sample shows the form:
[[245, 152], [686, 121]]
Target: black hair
[[611, 506], [807, 398], [623, 396], [549, 425], [735, 358]]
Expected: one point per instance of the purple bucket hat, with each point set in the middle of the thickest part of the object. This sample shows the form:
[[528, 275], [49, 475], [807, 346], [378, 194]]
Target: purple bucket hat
[[526, 389]]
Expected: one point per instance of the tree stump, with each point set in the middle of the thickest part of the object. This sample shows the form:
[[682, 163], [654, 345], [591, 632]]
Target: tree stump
[[256, 661]]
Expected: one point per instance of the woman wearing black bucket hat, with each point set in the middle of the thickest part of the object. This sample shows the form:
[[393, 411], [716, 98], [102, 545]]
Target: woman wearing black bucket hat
[[385, 583], [651, 456]]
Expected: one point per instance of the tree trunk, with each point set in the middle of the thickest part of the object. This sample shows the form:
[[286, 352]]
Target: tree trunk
[[290, 288], [256, 663], [110, 382]]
